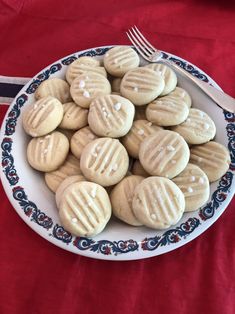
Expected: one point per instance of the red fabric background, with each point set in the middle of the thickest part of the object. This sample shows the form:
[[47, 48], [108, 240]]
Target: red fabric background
[[38, 277]]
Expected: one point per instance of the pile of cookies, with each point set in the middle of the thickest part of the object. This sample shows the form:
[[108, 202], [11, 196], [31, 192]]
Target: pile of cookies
[[117, 137]]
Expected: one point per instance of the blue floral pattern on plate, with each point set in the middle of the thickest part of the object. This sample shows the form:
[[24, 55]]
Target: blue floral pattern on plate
[[106, 247]]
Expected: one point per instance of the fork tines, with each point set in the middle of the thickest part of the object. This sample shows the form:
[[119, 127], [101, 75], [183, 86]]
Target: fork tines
[[141, 44]]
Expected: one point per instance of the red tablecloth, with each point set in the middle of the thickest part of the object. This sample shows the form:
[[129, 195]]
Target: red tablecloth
[[38, 277]]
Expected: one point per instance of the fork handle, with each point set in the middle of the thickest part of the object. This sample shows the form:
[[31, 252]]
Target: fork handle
[[222, 99]]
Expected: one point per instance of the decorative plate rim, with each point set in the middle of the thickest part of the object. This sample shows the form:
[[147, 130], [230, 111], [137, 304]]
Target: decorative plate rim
[[105, 249]]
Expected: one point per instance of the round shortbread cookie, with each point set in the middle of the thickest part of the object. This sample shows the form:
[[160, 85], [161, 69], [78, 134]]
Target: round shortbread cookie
[[48, 153], [167, 74], [213, 158], [42, 117], [138, 132], [166, 111], [164, 153], [104, 161], [54, 87], [158, 203], [141, 85], [121, 199], [198, 128], [182, 95], [80, 139], [85, 209], [75, 117], [86, 87], [194, 183], [63, 186], [138, 170], [140, 113], [70, 167], [115, 84], [120, 59], [83, 65], [111, 116]]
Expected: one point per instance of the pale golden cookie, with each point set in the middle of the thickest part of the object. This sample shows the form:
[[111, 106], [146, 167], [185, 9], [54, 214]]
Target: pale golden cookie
[[42, 117], [48, 153], [83, 65], [193, 182], [70, 167], [63, 186], [84, 209], [86, 87], [120, 59], [111, 116], [104, 161], [75, 117], [167, 74], [80, 139], [166, 111], [139, 131], [213, 158], [121, 199], [138, 170], [141, 85], [164, 153], [182, 95], [158, 203], [140, 113], [115, 84], [54, 87], [198, 128]]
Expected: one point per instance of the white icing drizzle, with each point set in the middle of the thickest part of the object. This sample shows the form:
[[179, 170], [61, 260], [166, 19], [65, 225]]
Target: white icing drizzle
[[117, 106], [140, 132], [82, 84], [86, 94], [206, 126], [74, 220], [93, 192], [115, 167], [153, 216], [189, 189], [170, 148], [192, 179], [201, 180], [136, 89]]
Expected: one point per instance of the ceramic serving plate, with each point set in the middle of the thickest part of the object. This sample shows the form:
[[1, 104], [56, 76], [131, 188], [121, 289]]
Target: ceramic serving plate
[[35, 204]]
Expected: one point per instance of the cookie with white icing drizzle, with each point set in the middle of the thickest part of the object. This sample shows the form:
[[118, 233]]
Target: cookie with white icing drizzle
[[111, 116], [85, 209], [164, 153], [104, 161], [141, 85], [194, 183], [158, 203]]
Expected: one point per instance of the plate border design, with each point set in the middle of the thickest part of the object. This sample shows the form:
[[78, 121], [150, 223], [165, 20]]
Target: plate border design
[[106, 247]]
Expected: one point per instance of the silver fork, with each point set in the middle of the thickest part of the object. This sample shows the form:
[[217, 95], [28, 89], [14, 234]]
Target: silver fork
[[151, 54]]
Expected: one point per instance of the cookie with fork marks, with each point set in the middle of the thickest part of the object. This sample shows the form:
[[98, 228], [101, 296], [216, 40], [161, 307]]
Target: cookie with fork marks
[[164, 153], [85, 209], [111, 116], [104, 161]]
